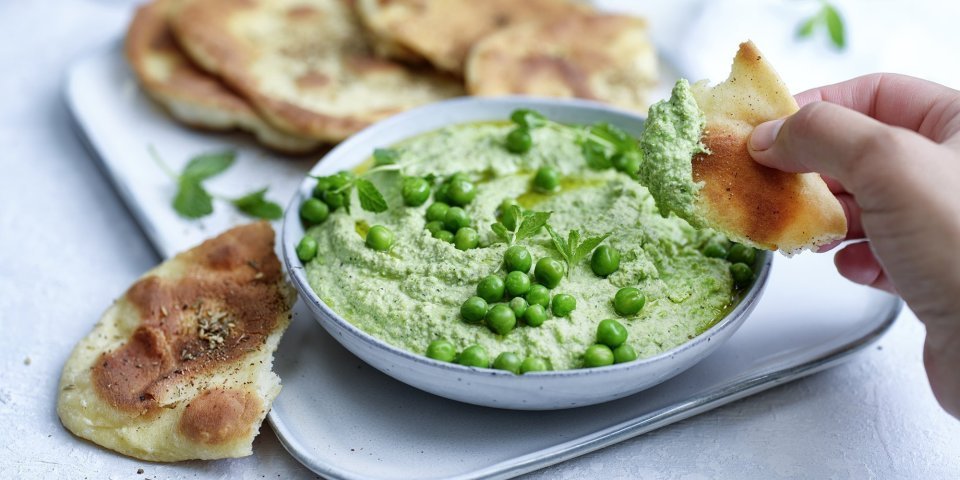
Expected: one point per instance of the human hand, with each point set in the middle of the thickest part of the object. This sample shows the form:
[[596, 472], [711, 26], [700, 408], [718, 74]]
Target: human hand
[[889, 148]]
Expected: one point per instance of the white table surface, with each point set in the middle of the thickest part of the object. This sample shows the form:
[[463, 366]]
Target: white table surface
[[68, 247]]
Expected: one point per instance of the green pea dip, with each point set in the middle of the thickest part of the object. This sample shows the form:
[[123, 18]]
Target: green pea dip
[[412, 294]]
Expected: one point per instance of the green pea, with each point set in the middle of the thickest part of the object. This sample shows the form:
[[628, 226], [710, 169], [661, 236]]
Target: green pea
[[437, 212], [605, 260], [473, 310], [519, 140], [461, 192], [715, 250], [323, 184], [455, 219], [742, 274], [441, 350], [307, 249], [508, 361], [380, 238], [334, 199], [501, 319], [457, 177], [538, 295], [474, 356], [341, 179], [517, 259], [624, 353], [415, 191], [563, 305], [445, 236], [535, 315], [517, 284], [519, 306], [440, 194], [314, 211], [611, 333], [490, 288], [597, 356], [740, 253], [508, 216], [434, 227], [466, 238], [547, 179], [534, 364], [549, 272], [628, 301]]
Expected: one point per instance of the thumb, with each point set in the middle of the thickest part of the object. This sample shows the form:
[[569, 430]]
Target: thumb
[[829, 139]]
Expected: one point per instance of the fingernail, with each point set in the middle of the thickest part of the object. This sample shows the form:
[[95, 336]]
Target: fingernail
[[765, 134]]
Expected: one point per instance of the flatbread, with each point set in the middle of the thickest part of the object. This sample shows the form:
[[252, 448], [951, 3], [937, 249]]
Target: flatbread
[[189, 94], [749, 202], [608, 58], [305, 65], [444, 31], [179, 367]]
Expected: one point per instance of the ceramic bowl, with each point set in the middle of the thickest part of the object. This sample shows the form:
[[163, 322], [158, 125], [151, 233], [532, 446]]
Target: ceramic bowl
[[481, 386]]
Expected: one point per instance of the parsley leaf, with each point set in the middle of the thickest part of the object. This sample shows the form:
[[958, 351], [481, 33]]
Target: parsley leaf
[[191, 200], [531, 224], [256, 205], [371, 199], [206, 165]]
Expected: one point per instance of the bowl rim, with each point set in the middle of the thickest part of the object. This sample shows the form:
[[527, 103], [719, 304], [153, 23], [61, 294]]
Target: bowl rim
[[297, 272]]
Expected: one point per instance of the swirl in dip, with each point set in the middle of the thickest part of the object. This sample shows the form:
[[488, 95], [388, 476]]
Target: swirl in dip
[[411, 294]]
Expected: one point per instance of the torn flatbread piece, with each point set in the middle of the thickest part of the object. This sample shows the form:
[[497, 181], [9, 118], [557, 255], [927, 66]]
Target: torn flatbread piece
[[179, 367], [190, 95], [696, 163]]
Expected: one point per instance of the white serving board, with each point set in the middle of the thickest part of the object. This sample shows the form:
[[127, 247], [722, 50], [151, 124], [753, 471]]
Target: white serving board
[[344, 419]]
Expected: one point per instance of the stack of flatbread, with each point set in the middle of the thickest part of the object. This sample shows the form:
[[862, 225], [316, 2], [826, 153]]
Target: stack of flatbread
[[298, 74]]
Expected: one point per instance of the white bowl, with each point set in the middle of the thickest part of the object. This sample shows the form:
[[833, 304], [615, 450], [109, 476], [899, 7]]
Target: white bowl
[[482, 386]]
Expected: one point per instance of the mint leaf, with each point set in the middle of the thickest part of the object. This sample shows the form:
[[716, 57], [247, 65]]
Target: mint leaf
[[385, 156], [206, 165], [371, 199], [256, 205], [834, 25], [528, 118], [501, 232], [582, 250], [191, 200], [562, 246], [621, 141], [806, 28], [596, 155], [531, 224]]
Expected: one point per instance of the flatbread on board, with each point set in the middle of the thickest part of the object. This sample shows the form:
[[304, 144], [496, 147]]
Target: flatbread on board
[[608, 58], [189, 94], [178, 368], [305, 65]]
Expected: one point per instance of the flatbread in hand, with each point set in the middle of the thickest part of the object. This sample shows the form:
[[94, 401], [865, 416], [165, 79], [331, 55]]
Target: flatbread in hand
[[751, 203], [189, 94], [179, 367]]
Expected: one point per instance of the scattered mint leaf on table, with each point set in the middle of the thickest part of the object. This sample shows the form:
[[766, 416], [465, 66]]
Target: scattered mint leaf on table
[[256, 205], [828, 16], [191, 200], [207, 165]]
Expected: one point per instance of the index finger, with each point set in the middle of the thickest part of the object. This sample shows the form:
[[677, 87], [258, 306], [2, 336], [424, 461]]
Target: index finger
[[896, 100]]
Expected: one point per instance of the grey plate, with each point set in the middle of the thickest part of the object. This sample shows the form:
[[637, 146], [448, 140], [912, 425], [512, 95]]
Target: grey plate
[[344, 419]]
